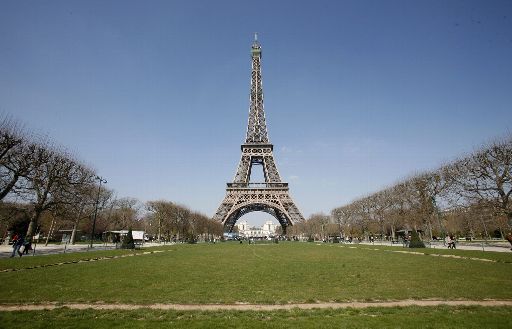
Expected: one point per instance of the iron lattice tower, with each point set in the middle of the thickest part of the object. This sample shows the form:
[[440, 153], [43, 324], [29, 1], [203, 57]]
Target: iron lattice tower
[[271, 196]]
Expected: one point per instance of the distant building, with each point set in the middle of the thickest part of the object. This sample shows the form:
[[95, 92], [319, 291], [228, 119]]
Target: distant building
[[266, 230], [117, 236]]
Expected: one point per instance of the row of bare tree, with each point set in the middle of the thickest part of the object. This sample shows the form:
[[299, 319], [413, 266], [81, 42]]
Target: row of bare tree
[[44, 189], [38, 175], [169, 221], [470, 196]]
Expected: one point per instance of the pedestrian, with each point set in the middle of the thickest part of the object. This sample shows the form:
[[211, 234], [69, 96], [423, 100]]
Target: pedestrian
[[28, 247], [448, 241], [15, 246], [453, 241], [21, 245]]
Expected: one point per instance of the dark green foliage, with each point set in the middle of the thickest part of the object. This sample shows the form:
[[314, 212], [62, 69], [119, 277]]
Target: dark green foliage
[[191, 238], [15, 218], [416, 241], [128, 242]]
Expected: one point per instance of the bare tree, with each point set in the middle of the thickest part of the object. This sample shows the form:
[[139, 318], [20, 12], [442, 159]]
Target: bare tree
[[485, 178], [343, 216], [161, 214], [468, 192], [428, 188], [82, 200], [382, 203], [125, 213], [316, 225], [51, 182], [16, 155]]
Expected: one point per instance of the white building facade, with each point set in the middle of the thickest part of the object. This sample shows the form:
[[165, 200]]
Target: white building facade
[[266, 230]]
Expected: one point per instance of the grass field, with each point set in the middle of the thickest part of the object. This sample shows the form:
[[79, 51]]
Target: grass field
[[273, 273], [282, 273], [406, 317]]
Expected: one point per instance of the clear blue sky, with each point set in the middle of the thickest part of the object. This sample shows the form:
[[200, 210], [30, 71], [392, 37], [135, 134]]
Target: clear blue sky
[[358, 94]]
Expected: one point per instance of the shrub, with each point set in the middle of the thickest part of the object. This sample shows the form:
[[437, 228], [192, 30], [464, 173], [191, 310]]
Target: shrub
[[191, 238], [415, 240], [128, 242]]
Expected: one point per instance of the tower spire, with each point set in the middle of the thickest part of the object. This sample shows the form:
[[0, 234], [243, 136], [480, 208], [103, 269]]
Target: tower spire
[[257, 126]]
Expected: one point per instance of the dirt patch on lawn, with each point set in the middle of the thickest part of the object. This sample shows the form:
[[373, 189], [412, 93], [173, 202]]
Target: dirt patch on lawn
[[252, 307], [76, 261]]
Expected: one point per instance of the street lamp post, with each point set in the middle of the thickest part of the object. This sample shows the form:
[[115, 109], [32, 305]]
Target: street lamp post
[[104, 181]]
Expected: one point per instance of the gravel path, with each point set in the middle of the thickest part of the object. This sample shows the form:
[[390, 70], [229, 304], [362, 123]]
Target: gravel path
[[251, 307]]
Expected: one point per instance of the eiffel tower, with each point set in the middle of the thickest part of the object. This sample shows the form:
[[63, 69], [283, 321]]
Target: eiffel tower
[[271, 196]]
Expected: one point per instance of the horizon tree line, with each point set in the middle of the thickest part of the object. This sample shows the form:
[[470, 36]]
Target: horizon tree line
[[468, 197], [44, 189]]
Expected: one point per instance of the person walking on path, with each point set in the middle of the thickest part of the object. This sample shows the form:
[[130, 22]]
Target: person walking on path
[[453, 241], [27, 247], [448, 241], [21, 245], [14, 240], [17, 242]]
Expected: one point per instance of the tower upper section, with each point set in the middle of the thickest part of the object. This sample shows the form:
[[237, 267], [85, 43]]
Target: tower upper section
[[257, 126]]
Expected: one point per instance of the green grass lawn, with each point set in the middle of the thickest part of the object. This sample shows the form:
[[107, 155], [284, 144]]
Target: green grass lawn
[[406, 317], [273, 273]]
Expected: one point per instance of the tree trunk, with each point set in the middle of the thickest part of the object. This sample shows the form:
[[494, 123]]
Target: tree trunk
[[159, 228], [485, 228], [471, 231], [50, 233], [430, 229], [73, 233], [75, 225], [33, 224]]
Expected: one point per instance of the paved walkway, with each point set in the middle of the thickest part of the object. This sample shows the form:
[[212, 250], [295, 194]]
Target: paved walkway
[[41, 249], [486, 246]]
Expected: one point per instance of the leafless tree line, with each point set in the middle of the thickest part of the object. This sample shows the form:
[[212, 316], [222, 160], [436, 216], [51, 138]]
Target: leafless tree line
[[44, 189], [467, 197], [38, 175], [168, 221]]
